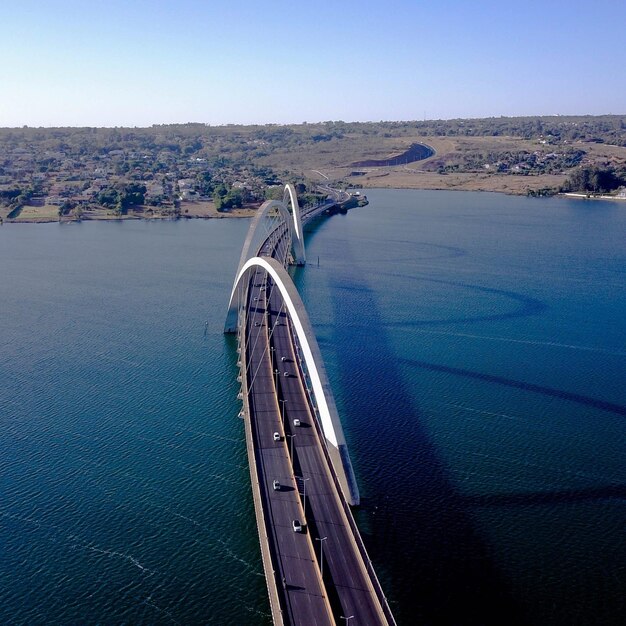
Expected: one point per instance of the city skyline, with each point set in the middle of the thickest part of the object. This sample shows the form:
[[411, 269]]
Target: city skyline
[[68, 63]]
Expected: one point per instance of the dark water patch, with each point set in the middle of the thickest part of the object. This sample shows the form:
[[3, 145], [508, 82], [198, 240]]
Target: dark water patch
[[542, 498], [540, 274], [451, 576], [596, 403], [527, 304]]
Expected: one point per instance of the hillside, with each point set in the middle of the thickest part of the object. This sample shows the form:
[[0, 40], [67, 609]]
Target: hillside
[[166, 170]]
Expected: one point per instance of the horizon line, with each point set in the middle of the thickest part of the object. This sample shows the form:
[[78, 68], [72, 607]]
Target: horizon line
[[321, 122]]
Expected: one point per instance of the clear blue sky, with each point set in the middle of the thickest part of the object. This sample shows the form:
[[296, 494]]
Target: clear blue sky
[[138, 62]]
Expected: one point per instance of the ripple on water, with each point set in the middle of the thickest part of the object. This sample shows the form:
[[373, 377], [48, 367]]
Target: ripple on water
[[483, 470]]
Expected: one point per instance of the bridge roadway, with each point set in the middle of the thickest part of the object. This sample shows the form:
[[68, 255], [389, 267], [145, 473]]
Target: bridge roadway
[[274, 401], [297, 577], [346, 580]]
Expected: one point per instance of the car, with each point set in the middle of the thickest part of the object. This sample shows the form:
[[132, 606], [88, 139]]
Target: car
[[276, 436], [296, 422], [283, 358], [286, 374], [276, 485], [297, 526]]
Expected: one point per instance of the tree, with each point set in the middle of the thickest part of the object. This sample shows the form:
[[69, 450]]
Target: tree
[[130, 195], [234, 198], [66, 207], [108, 197], [219, 193], [204, 183], [594, 179]]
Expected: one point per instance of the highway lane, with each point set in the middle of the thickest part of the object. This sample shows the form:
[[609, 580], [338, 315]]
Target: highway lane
[[347, 581], [298, 580]]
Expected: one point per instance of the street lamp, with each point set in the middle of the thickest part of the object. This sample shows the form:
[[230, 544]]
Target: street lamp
[[291, 447], [346, 618], [303, 479], [322, 540], [282, 401], [276, 380]]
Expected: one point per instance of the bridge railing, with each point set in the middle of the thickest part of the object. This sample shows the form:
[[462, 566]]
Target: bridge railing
[[277, 602]]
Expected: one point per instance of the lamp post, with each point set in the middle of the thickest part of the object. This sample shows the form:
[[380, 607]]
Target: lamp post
[[346, 618], [322, 540], [276, 380], [282, 401]]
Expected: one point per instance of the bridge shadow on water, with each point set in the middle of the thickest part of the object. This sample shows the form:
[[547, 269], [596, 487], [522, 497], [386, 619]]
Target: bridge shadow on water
[[438, 569], [596, 403]]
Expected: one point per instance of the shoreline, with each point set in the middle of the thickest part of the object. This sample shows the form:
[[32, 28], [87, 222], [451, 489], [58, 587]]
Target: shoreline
[[589, 196], [249, 212], [192, 211]]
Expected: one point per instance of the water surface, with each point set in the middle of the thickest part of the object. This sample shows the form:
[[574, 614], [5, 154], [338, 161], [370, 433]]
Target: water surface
[[475, 343], [478, 346]]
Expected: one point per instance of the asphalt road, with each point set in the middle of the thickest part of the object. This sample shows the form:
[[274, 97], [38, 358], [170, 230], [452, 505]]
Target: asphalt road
[[302, 594], [345, 579], [277, 396]]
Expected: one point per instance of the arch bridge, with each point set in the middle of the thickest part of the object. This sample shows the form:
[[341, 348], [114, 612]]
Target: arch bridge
[[316, 565]]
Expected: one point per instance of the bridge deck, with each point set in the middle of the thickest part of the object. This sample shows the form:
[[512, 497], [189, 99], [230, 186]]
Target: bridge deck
[[322, 574], [345, 577], [298, 580]]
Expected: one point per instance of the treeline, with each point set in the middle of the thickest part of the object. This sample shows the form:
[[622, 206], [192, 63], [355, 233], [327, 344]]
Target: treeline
[[595, 179], [554, 129], [222, 145], [507, 161]]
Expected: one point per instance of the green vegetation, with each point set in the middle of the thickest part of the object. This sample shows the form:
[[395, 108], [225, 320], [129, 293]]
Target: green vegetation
[[522, 162], [595, 180], [553, 129], [124, 170], [122, 197], [225, 198]]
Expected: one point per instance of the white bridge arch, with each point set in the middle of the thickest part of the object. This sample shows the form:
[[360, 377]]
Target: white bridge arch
[[327, 409], [297, 236], [292, 220]]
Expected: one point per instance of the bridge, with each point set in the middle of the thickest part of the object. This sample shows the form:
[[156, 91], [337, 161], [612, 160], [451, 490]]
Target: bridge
[[316, 566]]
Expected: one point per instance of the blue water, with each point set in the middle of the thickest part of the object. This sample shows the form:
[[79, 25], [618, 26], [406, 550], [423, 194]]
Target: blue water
[[476, 345]]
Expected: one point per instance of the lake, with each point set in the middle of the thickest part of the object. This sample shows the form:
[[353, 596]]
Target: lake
[[484, 415]]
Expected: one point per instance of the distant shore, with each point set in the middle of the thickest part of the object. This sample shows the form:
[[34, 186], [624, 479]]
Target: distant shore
[[385, 180], [415, 178], [189, 210]]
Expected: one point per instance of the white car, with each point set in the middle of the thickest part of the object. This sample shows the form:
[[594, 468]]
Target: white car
[[276, 485], [297, 526], [296, 422], [276, 436]]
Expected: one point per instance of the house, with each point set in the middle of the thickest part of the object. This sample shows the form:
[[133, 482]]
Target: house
[[56, 200]]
